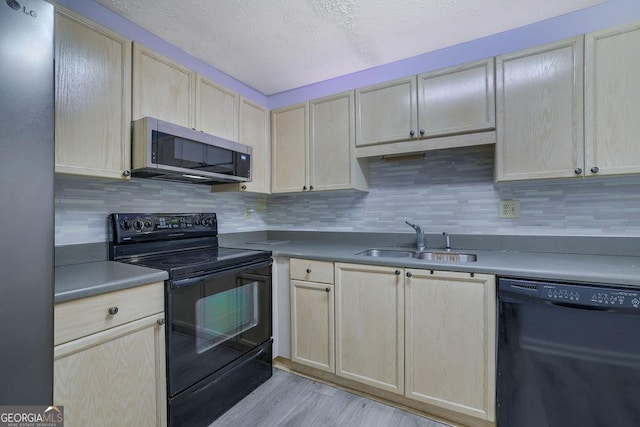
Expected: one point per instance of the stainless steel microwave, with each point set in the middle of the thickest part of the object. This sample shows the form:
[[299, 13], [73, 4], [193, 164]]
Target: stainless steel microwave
[[165, 151]]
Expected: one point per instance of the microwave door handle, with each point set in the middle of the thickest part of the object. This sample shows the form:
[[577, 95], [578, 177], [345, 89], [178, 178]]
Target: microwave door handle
[[183, 283]]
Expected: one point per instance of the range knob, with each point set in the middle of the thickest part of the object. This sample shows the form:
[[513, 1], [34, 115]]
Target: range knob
[[138, 225], [147, 224], [125, 225], [205, 221]]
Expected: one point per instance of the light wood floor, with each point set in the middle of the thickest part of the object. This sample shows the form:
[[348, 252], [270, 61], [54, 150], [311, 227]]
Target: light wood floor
[[290, 400]]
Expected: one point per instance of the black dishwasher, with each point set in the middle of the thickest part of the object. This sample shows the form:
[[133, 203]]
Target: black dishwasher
[[568, 355]]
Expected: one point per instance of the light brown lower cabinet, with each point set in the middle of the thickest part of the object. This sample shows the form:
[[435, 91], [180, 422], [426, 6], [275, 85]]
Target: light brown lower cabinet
[[115, 376], [312, 314], [450, 340], [370, 325], [426, 337]]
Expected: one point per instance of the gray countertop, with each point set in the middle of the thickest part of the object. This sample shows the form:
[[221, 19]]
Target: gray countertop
[[606, 269], [93, 278]]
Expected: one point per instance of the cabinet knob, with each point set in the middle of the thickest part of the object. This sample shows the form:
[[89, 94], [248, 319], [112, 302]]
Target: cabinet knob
[[397, 272], [126, 173], [595, 169], [304, 188], [244, 187], [422, 132], [327, 289], [412, 133], [161, 321], [308, 271], [311, 187], [578, 171], [409, 274], [113, 311]]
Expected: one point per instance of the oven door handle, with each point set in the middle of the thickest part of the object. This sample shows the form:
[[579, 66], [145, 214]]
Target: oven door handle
[[183, 283]]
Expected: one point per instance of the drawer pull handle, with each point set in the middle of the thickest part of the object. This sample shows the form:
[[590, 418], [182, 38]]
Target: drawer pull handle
[[113, 311], [161, 321], [409, 274], [397, 272], [327, 289], [308, 271]]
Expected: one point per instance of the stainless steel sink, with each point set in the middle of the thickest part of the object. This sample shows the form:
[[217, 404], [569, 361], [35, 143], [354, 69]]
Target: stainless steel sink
[[426, 256], [387, 253], [445, 256]]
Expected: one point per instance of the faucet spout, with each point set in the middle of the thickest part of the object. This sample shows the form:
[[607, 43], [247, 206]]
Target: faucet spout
[[420, 242]]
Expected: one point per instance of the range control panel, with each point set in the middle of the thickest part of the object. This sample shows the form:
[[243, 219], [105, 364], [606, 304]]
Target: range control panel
[[143, 227], [594, 296]]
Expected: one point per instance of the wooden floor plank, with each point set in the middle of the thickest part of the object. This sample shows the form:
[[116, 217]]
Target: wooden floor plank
[[290, 400]]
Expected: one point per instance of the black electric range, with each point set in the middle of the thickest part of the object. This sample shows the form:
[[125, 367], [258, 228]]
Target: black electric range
[[217, 305]]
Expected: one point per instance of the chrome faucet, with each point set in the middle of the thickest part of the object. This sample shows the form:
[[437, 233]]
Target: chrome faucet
[[420, 244]]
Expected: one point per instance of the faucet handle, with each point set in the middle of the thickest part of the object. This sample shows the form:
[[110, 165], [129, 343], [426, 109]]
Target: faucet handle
[[447, 242]]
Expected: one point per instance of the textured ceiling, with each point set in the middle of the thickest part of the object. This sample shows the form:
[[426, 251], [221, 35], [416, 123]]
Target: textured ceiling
[[276, 45]]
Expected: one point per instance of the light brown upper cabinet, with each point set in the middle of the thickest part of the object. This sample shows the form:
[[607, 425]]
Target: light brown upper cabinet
[[162, 89], [92, 99], [168, 91], [612, 100], [540, 112], [457, 100], [254, 131], [216, 109], [313, 147], [447, 108], [332, 161], [289, 145], [386, 112]]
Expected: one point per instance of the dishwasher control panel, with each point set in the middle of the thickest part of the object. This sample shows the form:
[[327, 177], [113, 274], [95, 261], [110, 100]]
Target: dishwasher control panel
[[585, 295]]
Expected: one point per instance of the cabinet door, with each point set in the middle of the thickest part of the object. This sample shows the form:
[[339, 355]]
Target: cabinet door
[[254, 131], [216, 109], [92, 98], [114, 377], [370, 325], [540, 112], [457, 100], [331, 143], [386, 112], [450, 334], [612, 101], [290, 139], [312, 325], [162, 89]]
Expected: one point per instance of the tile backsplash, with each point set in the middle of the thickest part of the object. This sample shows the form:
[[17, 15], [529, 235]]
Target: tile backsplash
[[447, 190], [453, 191], [83, 204]]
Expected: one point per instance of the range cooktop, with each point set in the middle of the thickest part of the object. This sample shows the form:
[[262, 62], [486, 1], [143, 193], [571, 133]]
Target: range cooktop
[[189, 263], [185, 245]]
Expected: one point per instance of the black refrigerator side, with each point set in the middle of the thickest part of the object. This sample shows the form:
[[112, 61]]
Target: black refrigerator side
[[27, 198]]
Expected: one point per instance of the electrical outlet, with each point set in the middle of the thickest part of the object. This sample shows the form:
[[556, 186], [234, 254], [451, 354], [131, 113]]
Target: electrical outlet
[[509, 209]]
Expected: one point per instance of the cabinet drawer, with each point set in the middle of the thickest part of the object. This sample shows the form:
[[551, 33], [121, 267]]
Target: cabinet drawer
[[86, 316], [311, 271]]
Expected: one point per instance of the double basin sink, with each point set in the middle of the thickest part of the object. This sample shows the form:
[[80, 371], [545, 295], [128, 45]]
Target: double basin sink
[[439, 256]]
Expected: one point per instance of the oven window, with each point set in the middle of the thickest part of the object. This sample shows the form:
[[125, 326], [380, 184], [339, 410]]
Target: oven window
[[224, 315]]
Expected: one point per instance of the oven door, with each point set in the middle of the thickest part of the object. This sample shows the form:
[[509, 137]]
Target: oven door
[[215, 319]]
